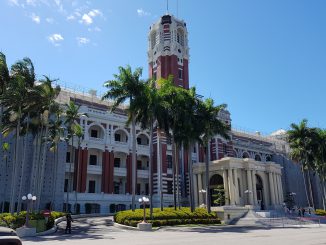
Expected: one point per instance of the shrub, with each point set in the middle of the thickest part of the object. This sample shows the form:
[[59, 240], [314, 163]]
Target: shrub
[[18, 220], [320, 212], [168, 216]]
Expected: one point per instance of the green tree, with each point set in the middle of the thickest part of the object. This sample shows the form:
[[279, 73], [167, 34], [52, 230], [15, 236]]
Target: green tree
[[301, 141], [219, 195], [127, 87]]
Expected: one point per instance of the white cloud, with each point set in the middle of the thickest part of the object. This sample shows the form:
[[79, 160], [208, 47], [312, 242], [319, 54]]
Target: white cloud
[[86, 19], [14, 2], [31, 2], [71, 17], [56, 39], [95, 29], [82, 40], [95, 12], [142, 12], [49, 20], [36, 18]]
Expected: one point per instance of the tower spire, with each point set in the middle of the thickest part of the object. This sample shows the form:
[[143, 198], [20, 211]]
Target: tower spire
[[167, 6]]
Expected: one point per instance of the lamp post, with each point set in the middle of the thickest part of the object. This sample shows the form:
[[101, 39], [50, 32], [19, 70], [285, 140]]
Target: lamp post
[[249, 193], [203, 191], [29, 202], [144, 201]]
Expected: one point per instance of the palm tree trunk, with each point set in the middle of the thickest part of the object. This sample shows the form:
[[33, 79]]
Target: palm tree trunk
[[208, 203], [310, 189], [23, 165], [77, 179], [174, 173], [159, 168], [177, 176], [69, 185], [133, 163], [305, 185], [54, 176], [150, 162], [41, 180], [191, 188]]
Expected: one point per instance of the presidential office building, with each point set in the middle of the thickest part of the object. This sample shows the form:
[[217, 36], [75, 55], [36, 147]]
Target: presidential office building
[[254, 170]]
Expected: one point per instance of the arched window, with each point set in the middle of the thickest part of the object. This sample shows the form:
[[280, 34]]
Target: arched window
[[257, 158], [268, 158], [180, 37], [245, 155]]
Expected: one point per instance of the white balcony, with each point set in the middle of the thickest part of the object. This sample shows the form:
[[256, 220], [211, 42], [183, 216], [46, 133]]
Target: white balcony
[[99, 140], [70, 167], [143, 174], [122, 172], [94, 169]]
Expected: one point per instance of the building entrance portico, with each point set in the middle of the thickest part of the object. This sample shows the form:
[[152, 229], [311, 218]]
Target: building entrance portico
[[246, 182]]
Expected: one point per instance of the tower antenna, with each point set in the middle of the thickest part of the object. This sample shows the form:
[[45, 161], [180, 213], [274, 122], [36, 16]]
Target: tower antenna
[[167, 6]]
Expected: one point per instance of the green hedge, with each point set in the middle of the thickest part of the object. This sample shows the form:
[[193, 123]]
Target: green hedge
[[320, 212], [168, 216], [18, 220]]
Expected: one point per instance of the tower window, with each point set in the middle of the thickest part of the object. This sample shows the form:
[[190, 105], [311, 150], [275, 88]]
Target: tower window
[[180, 37], [180, 74]]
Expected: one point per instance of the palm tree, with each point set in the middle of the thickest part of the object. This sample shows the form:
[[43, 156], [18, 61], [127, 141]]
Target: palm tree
[[150, 109], [72, 115], [56, 135], [79, 133], [211, 125], [127, 86], [300, 138]]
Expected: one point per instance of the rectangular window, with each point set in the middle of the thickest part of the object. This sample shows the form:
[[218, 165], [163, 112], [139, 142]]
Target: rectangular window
[[91, 186], [139, 165], [180, 74], [66, 185], [146, 189], [117, 137], [94, 133], [116, 188], [117, 162], [169, 187], [92, 160], [169, 160], [68, 156], [195, 149], [138, 189]]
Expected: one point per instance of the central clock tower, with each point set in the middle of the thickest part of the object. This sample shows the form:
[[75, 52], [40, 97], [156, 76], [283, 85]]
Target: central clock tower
[[168, 52]]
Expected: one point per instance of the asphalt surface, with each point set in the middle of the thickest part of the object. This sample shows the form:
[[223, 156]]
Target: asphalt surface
[[98, 231]]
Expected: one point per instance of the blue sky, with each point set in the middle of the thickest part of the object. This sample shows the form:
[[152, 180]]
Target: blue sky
[[265, 59]]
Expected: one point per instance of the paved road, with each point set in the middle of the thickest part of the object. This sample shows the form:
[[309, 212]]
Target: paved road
[[98, 231]]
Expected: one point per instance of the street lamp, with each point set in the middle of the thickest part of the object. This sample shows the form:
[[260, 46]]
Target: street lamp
[[203, 191], [144, 201], [29, 202], [248, 192]]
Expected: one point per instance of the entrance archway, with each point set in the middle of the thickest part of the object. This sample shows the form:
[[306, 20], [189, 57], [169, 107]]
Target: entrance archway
[[260, 192], [216, 190]]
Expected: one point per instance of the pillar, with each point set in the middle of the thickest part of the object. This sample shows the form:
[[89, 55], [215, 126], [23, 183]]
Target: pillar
[[195, 190], [111, 172], [254, 191], [200, 187], [105, 172], [236, 189], [226, 187], [231, 186], [250, 191], [276, 188], [129, 175], [281, 188], [271, 188]]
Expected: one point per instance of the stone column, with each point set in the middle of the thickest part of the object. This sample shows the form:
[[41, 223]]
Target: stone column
[[226, 187], [249, 188], [271, 188], [280, 190], [236, 189], [195, 190], [254, 186], [277, 197], [231, 186], [200, 187]]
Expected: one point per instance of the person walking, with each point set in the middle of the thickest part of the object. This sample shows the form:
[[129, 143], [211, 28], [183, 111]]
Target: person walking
[[303, 211], [68, 223]]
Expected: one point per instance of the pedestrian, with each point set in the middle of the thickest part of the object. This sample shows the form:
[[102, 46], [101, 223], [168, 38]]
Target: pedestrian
[[303, 211], [68, 223], [299, 211]]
